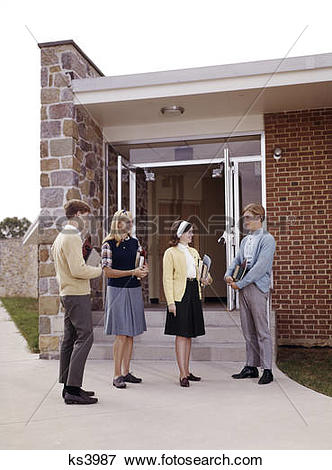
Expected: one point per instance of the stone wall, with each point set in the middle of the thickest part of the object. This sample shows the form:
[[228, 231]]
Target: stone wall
[[299, 215], [71, 162], [18, 269]]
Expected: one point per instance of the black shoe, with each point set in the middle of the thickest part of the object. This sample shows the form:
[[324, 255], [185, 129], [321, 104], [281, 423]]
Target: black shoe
[[119, 382], [247, 372], [79, 399], [266, 378], [131, 379], [184, 382], [193, 378], [82, 392]]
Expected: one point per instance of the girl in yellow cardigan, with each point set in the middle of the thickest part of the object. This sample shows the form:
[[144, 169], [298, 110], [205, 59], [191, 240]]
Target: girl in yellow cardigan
[[182, 289]]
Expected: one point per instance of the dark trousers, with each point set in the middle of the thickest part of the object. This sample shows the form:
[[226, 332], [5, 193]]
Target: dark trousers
[[77, 338]]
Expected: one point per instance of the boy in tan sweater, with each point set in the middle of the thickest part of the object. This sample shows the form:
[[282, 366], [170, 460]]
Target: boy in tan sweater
[[73, 277]]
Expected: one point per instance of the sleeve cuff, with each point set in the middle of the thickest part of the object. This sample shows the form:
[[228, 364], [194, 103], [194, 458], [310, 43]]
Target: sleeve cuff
[[240, 284]]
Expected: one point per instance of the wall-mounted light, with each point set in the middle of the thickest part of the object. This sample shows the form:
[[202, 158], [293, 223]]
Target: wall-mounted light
[[172, 110], [149, 175], [217, 172], [277, 153]]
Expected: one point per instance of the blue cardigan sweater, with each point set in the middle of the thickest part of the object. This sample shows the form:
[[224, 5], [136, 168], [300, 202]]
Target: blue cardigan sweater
[[261, 265]]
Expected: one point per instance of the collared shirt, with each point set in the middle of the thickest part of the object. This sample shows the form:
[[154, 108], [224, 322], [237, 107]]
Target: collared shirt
[[72, 229], [251, 244], [191, 268]]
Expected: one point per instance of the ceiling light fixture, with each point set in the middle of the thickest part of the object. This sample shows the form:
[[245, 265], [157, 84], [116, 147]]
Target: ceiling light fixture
[[172, 110]]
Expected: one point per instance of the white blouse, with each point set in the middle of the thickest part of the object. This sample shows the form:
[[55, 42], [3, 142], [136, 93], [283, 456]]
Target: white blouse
[[191, 268]]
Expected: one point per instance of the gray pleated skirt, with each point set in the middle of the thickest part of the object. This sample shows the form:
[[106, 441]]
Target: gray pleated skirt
[[124, 311]]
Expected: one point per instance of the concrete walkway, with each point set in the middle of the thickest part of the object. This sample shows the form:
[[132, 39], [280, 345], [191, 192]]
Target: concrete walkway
[[217, 413]]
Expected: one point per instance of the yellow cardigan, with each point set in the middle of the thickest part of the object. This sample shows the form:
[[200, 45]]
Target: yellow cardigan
[[175, 273]]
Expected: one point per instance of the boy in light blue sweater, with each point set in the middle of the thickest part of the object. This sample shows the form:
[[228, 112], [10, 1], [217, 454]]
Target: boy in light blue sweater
[[258, 248]]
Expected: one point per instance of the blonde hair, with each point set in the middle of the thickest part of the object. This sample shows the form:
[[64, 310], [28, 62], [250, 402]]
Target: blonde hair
[[119, 216], [256, 209]]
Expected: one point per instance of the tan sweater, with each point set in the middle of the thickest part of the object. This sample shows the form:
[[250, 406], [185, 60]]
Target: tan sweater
[[175, 273], [73, 275]]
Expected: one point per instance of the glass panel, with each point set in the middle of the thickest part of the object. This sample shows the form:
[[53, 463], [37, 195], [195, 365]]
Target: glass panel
[[112, 188], [125, 185], [229, 213], [190, 149], [191, 193], [250, 188]]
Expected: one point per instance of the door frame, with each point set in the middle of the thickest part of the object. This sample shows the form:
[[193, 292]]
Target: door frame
[[233, 245]]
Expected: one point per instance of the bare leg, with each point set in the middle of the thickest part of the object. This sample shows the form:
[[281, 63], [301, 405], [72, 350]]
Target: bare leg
[[180, 348], [127, 355], [188, 349], [118, 351]]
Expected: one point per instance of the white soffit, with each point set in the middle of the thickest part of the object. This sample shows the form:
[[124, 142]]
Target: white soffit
[[209, 92]]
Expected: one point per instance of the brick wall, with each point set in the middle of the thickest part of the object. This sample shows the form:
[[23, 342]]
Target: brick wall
[[299, 217]]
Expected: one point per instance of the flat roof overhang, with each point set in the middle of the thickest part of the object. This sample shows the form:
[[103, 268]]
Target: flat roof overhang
[[233, 96]]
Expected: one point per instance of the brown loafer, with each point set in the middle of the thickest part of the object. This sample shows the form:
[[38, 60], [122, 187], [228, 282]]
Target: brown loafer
[[193, 378], [184, 382]]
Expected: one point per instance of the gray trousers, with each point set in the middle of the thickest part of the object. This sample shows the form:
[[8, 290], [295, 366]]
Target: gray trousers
[[77, 338], [254, 323]]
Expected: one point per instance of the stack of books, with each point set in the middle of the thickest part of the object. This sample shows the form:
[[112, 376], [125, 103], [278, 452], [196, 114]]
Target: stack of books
[[239, 271], [204, 267]]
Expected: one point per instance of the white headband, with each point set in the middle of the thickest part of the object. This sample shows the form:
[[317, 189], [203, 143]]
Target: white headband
[[181, 228]]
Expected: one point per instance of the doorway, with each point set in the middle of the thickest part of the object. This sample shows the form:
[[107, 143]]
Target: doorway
[[187, 192], [171, 183]]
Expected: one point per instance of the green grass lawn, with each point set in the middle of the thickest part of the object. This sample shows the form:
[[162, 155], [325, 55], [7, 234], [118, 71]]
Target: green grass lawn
[[311, 367], [24, 312]]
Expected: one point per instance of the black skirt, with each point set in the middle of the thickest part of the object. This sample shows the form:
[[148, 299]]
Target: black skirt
[[189, 320]]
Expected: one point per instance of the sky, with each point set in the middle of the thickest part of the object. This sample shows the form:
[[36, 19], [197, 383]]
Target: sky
[[124, 37]]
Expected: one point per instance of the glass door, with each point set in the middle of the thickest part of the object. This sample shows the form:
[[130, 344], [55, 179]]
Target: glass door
[[194, 192], [229, 234], [169, 190], [126, 188], [247, 180]]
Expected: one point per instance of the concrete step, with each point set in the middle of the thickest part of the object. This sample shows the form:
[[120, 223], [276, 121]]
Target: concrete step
[[223, 340], [157, 317], [200, 352], [211, 318], [155, 334]]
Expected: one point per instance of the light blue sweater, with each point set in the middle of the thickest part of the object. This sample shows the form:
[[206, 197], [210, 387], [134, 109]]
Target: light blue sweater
[[261, 266]]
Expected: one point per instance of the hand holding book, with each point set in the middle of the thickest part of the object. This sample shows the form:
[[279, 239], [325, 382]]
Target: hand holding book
[[140, 262], [240, 271], [203, 269]]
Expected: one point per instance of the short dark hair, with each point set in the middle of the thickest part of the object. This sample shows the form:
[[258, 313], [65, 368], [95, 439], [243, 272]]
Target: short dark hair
[[73, 206], [174, 228]]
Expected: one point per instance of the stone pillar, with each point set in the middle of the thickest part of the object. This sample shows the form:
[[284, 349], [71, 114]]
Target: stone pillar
[[71, 165]]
